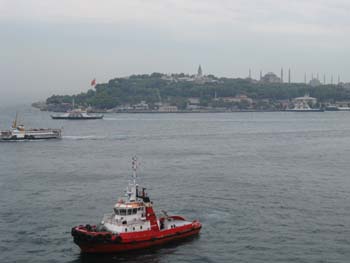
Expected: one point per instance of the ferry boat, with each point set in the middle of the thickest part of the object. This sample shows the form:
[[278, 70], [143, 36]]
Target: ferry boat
[[77, 114], [304, 107], [19, 132], [133, 225]]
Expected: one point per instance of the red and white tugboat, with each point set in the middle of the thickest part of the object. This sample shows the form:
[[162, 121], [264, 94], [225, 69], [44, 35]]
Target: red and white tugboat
[[133, 225]]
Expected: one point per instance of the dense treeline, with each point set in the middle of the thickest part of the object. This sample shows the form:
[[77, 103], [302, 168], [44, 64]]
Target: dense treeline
[[152, 88]]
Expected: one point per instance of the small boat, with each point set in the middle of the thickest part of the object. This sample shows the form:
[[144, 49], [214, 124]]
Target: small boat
[[337, 108], [133, 225], [343, 108], [19, 132], [332, 108], [77, 114]]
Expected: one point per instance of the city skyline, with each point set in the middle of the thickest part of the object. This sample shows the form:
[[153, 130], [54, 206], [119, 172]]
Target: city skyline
[[307, 76], [57, 47]]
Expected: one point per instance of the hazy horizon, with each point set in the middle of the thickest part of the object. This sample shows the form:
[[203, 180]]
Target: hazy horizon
[[57, 47]]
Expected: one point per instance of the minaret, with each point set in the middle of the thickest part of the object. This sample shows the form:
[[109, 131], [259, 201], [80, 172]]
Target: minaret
[[305, 77], [338, 79], [281, 75], [199, 72], [260, 75], [250, 74], [289, 76]]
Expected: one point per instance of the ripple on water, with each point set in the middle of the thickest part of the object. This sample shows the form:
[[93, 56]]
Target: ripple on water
[[268, 187]]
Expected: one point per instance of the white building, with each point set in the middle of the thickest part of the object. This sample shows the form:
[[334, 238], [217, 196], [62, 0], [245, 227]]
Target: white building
[[168, 108], [236, 99], [141, 106]]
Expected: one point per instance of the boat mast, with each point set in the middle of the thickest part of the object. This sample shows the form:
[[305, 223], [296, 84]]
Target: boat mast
[[132, 189], [134, 169], [14, 124]]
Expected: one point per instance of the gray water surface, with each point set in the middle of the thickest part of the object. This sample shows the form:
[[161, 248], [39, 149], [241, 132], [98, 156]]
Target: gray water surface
[[268, 187]]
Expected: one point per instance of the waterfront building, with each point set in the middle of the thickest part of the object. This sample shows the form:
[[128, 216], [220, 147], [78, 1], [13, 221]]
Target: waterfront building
[[236, 99], [168, 108], [345, 85], [194, 101], [141, 106]]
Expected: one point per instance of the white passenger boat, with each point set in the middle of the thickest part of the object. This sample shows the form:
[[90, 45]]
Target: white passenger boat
[[77, 114], [304, 107], [19, 132]]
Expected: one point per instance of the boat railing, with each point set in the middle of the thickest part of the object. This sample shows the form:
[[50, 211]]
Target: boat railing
[[108, 218], [5, 134], [44, 130]]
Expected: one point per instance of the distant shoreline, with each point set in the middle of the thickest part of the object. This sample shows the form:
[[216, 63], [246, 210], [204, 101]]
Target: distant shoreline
[[203, 111], [187, 111]]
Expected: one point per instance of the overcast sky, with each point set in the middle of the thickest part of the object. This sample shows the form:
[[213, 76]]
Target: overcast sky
[[57, 46]]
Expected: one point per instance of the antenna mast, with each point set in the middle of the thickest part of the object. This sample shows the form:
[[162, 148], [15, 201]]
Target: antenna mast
[[134, 169], [14, 124]]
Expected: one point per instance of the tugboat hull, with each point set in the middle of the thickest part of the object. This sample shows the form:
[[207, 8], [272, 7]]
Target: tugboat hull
[[132, 241]]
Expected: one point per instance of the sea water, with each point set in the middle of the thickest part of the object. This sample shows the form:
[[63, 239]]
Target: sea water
[[268, 187]]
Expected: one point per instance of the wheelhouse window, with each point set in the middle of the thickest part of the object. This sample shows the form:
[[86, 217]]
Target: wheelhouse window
[[122, 212]]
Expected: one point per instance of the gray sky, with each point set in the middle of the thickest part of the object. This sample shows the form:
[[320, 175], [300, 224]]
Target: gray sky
[[57, 46]]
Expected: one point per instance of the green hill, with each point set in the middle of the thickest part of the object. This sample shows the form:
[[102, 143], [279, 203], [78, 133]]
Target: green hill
[[177, 88]]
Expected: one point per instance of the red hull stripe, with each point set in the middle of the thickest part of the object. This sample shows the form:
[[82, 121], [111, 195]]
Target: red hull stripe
[[132, 245]]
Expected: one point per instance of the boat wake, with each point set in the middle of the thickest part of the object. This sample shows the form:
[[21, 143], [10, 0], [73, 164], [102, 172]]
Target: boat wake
[[87, 137], [94, 137]]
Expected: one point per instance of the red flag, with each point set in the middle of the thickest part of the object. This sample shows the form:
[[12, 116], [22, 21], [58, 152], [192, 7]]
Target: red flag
[[93, 82]]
